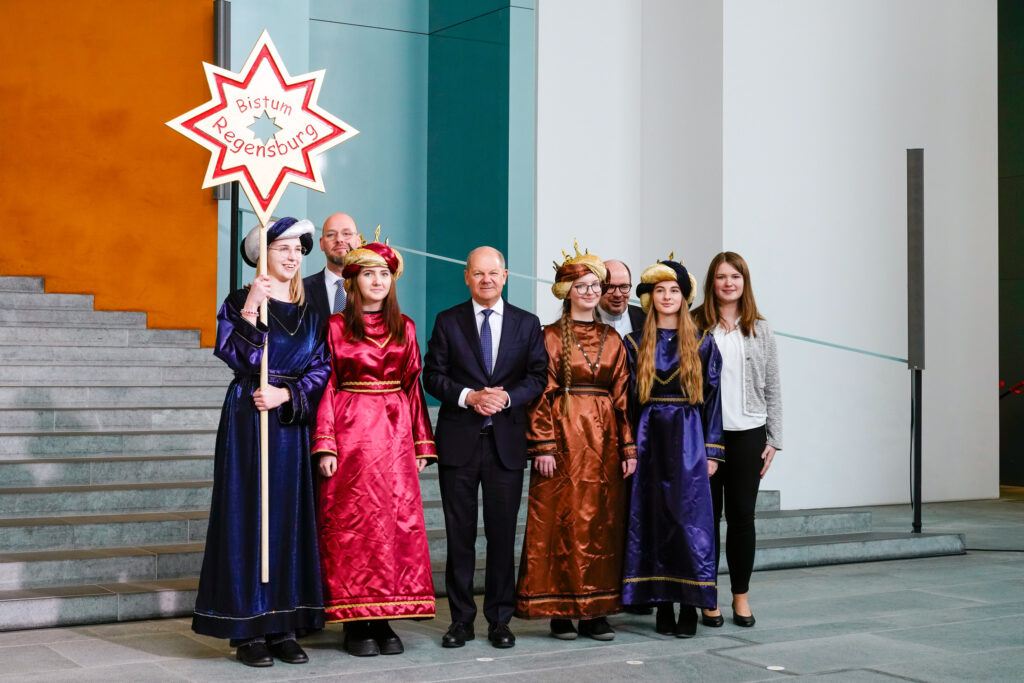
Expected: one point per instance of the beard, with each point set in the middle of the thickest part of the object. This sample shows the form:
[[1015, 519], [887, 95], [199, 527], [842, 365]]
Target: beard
[[336, 260]]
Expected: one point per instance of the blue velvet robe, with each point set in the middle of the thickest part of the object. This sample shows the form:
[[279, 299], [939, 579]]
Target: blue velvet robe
[[231, 601], [670, 539]]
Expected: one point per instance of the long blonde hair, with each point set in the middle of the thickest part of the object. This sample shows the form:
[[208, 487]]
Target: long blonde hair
[[691, 377], [295, 289]]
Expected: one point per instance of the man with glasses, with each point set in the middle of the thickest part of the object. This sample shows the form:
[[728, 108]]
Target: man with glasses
[[325, 290], [614, 307]]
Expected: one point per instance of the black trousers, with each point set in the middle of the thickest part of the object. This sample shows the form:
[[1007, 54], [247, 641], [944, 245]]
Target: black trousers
[[503, 492], [737, 481]]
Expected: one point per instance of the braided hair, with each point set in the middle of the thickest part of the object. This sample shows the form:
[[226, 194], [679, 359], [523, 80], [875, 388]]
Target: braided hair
[[568, 341]]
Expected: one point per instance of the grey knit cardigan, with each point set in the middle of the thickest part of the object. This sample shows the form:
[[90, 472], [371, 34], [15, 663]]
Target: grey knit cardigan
[[762, 390]]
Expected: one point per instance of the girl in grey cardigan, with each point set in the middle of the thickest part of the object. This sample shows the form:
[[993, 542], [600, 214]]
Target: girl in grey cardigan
[[751, 417]]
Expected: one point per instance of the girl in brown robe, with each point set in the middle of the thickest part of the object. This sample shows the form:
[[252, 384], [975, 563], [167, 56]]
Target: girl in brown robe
[[582, 446]]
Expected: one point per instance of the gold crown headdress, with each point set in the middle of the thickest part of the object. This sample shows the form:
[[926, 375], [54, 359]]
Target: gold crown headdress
[[574, 267]]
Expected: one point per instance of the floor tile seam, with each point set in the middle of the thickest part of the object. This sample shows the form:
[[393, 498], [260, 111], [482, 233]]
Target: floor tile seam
[[528, 672], [902, 677], [180, 676]]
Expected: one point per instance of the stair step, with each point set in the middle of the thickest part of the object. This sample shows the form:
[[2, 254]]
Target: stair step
[[21, 284], [23, 299], [210, 395], [66, 532], [112, 374], [784, 523], [58, 605], [51, 317], [79, 337], [126, 564], [109, 470], [97, 442], [31, 501], [47, 354], [76, 418], [785, 553], [96, 603]]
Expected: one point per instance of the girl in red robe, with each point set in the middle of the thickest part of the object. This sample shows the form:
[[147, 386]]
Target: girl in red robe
[[373, 436]]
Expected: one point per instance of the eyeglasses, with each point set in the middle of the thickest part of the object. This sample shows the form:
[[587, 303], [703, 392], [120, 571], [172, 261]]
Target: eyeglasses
[[583, 289], [621, 289], [286, 251]]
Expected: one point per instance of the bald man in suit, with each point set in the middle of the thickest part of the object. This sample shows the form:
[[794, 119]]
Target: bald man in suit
[[323, 289]]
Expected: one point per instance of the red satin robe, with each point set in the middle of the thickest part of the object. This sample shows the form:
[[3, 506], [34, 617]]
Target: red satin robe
[[374, 557]]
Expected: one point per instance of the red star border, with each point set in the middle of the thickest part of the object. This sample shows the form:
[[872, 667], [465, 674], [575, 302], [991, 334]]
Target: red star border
[[264, 168]]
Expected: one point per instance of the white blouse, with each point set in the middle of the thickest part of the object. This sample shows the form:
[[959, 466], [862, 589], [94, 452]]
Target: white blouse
[[730, 345]]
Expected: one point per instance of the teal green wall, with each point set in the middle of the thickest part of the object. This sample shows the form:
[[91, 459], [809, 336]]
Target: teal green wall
[[442, 92], [1011, 238]]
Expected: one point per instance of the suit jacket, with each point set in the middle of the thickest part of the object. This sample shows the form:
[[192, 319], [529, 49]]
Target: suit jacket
[[454, 361], [316, 295], [636, 316]]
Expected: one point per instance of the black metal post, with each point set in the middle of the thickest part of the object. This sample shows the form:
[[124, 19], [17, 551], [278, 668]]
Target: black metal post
[[236, 267], [221, 58], [916, 372], [915, 314]]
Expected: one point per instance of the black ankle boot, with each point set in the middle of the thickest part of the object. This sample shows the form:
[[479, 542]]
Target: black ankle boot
[[687, 624], [665, 619]]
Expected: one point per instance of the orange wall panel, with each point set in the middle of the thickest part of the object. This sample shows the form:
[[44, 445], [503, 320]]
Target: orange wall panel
[[98, 195]]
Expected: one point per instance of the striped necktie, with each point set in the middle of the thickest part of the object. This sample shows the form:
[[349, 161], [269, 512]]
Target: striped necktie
[[339, 297]]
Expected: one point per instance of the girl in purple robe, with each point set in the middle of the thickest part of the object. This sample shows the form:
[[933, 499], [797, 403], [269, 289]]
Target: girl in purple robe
[[674, 373], [262, 619]]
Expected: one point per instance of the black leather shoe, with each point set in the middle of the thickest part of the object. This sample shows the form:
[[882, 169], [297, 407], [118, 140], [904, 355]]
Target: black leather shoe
[[741, 620], [598, 629], [254, 654], [713, 621], [665, 620], [289, 652], [563, 629], [387, 640], [359, 641], [501, 636], [458, 633], [686, 627]]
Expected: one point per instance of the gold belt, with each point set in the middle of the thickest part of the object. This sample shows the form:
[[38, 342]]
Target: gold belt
[[381, 387]]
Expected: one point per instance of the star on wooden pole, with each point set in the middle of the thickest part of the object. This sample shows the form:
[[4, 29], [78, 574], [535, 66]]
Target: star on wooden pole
[[290, 132]]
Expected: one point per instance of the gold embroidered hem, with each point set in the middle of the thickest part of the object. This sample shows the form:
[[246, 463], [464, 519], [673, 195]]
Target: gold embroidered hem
[[672, 579], [402, 607], [568, 606]]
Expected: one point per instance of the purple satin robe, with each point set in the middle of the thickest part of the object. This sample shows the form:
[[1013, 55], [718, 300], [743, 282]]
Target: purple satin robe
[[670, 539]]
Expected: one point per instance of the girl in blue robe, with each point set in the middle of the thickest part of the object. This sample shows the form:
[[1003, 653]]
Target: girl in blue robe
[[262, 618], [670, 540]]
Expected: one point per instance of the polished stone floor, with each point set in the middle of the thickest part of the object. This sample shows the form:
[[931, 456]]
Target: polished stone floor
[[944, 619]]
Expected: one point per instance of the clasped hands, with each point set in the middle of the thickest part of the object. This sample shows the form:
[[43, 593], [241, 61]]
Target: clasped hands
[[487, 401]]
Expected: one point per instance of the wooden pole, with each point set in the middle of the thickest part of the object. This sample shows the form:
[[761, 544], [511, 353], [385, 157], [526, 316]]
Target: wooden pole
[[264, 429]]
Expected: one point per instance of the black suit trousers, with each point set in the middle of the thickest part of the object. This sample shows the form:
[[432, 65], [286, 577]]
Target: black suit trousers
[[502, 494]]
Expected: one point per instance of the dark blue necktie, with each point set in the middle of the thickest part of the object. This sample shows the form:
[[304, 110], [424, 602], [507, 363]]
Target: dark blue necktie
[[485, 347], [485, 340]]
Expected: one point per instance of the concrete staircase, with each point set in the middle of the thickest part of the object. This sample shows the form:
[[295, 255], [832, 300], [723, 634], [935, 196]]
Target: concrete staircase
[[107, 432]]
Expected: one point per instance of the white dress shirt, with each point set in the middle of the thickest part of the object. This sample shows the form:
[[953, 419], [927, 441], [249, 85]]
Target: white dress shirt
[[331, 283], [622, 324], [497, 315], [730, 345]]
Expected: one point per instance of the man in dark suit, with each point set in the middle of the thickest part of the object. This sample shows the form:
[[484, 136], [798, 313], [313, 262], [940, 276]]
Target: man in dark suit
[[324, 290], [485, 362], [614, 307]]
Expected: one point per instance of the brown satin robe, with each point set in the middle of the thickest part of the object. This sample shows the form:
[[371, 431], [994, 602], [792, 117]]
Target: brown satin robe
[[571, 564]]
